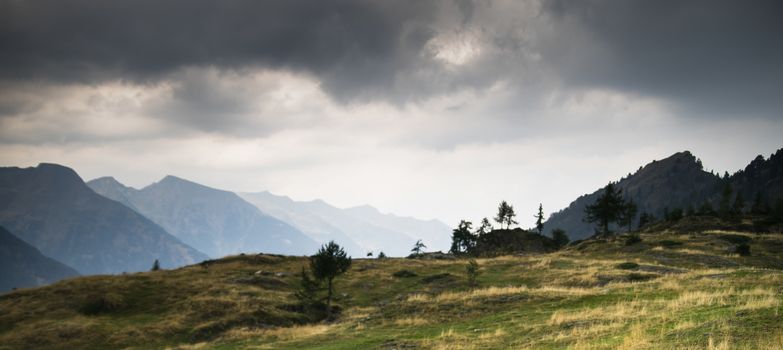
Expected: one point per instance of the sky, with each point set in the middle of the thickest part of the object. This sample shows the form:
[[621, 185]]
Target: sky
[[433, 109]]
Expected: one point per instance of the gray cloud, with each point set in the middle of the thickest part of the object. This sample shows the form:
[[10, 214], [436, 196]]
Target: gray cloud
[[351, 46], [707, 57], [711, 57]]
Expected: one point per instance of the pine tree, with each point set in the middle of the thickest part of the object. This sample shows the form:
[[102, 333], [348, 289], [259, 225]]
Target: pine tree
[[155, 265], [540, 219], [560, 237], [606, 209], [462, 240], [500, 218], [329, 262], [485, 227], [510, 215], [418, 248]]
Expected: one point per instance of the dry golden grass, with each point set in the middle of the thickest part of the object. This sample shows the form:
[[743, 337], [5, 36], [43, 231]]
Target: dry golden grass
[[410, 321], [280, 333]]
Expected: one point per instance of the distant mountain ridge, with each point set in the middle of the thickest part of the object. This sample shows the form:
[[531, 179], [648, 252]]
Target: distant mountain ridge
[[23, 266], [51, 208], [678, 181], [214, 221], [362, 229]]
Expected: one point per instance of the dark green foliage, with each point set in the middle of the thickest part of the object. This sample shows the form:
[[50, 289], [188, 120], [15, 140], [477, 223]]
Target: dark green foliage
[[628, 266], [101, 303], [505, 215], [381, 255], [608, 208], [742, 249], [739, 205], [307, 295], [485, 227], [329, 262], [472, 271], [706, 209], [627, 214], [632, 239], [560, 237], [736, 239], [673, 215], [760, 205], [499, 242], [645, 219], [777, 211], [640, 277], [462, 240], [155, 265], [418, 248], [540, 219], [667, 243], [725, 201], [404, 274], [369, 254]]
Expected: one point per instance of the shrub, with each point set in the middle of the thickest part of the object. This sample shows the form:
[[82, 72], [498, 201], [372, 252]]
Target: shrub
[[472, 270], [94, 304], [669, 243], [736, 239], [640, 277], [632, 239], [628, 266], [404, 274], [742, 249]]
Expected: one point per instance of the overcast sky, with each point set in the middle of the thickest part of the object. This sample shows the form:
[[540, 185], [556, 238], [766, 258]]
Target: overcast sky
[[433, 109]]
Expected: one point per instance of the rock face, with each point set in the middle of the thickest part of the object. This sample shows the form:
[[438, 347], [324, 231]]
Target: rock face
[[51, 208], [23, 266], [359, 229], [678, 181], [216, 222]]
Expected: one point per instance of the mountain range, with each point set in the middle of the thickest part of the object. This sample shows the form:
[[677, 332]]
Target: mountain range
[[216, 222], [678, 182], [23, 266], [51, 208], [361, 229]]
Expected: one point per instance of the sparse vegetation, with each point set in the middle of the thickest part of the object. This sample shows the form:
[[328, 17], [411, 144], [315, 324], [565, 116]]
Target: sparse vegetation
[[689, 296], [472, 271]]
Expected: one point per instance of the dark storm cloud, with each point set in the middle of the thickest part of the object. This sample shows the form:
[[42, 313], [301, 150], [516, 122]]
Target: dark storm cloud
[[350, 45], [715, 57], [706, 57]]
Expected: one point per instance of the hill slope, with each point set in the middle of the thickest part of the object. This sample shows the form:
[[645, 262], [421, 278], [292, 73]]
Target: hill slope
[[52, 209], [678, 181], [22, 266], [216, 222], [671, 290]]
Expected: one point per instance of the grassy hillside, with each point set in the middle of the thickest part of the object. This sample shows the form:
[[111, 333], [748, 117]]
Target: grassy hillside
[[671, 290]]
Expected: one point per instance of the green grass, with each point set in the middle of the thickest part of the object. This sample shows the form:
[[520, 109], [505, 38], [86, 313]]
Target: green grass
[[595, 295]]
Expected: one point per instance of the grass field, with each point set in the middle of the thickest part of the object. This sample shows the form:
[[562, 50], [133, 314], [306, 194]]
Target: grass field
[[670, 291]]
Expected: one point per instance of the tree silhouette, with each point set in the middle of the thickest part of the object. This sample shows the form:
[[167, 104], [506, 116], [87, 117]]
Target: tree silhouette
[[329, 262], [540, 219], [462, 240], [628, 214], [418, 248], [560, 237], [500, 218], [155, 265], [607, 208], [485, 227]]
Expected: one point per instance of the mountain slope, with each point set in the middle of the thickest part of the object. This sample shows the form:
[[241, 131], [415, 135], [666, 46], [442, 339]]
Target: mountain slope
[[675, 182], [22, 266], [292, 212], [216, 222], [51, 208], [679, 181], [364, 227]]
